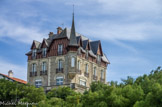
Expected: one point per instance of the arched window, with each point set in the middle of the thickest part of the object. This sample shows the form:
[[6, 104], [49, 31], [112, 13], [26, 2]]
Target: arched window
[[72, 62]]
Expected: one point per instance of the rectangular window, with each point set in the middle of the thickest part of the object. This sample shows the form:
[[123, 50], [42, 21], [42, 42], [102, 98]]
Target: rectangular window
[[78, 65], [59, 81], [38, 83], [86, 68], [34, 67], [59, 64], [34, 53], [72, 62], [44, 66], [102, 74], [94, 73], [60, 46], [83, 82], [44, 52]]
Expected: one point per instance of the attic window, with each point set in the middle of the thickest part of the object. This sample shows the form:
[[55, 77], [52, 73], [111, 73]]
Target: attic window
[[60, 46], [34, 53], [44, 52]]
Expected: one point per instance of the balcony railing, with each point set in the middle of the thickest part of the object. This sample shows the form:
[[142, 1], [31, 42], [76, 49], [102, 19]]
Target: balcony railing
[[59, 52], [86, 74], [59, 70], [32, 74], [43, 72], [94, 77]]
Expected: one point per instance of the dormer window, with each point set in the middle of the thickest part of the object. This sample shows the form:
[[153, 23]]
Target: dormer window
[[99, 58], [34, 53], [60, 46], [44, 52]]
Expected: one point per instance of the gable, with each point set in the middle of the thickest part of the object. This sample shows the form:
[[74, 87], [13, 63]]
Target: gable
[[43, 44], [33, 45], [99, 51]]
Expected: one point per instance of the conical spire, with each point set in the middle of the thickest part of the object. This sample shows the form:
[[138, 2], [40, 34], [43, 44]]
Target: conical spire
[[73, 40]]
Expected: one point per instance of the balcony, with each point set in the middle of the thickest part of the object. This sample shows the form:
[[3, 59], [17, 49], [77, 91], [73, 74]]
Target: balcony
[[94, 77], [32, 74], [59, 53], [43, 72], [86, 74], [59, 70]]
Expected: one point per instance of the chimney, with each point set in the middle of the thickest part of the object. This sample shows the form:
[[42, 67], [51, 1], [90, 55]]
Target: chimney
[[59, 30], [10, 73], [50, 34]]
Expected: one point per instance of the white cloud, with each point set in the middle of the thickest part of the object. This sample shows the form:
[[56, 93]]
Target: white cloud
[[20, 32], [19, 71], [111, 30], [128, 65], [131, 6]]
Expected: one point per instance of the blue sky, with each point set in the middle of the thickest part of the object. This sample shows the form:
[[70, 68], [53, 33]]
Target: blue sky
[[130, 31]]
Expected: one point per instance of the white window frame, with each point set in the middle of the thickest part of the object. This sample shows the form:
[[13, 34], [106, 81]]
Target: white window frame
[[82, 82], [72, 62], [44, 66], [38, 83], [59, 80], [34, 67]]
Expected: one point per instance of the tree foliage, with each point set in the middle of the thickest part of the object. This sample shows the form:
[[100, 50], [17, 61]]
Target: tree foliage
[[144, 91]]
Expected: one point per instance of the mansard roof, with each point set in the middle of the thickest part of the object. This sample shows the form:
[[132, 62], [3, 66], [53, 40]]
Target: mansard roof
[[94, 46]]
